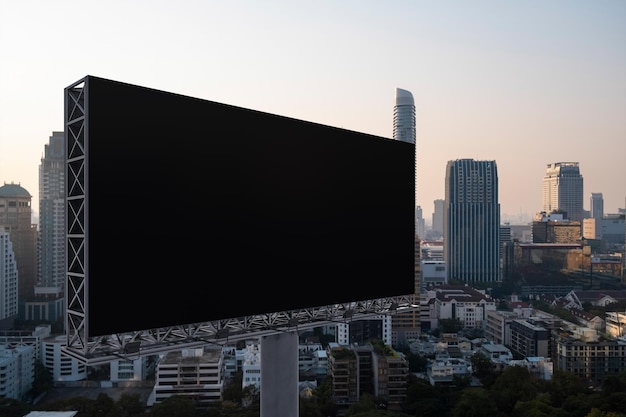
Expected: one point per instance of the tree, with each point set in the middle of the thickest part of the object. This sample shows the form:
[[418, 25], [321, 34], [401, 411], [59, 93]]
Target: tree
[[514, 384], [12, 408], [174, 406], [474, 402], [453, 325], [130, 405], [538, 407], [563, 385], [232, 389], [483, 368]]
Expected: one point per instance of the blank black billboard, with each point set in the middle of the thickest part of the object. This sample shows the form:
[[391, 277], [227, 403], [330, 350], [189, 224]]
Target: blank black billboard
[[198, 211]]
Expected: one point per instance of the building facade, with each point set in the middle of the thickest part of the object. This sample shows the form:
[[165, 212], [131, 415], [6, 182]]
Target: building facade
[[8, 282], [404, 120], [51, 262], [563, 190], [472, 221], [193, 373], [17, 371], [597, 206], [16, 217]]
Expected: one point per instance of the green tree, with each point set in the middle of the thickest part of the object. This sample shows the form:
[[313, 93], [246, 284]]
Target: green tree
[[538, 407], [130, 405], [564, 384], [514, 384], [474, 402], [13, 408], [483, 368], [42, 381], [174, 406], [308, 408], [595, 412], [232, 389], [451, 325]]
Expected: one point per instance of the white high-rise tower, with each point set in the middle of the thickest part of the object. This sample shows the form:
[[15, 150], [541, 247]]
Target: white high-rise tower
[[563, 190], [404, 121], [52, 218]]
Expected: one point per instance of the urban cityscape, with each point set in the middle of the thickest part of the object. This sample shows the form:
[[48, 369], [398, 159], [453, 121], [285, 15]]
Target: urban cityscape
[[492, 300], [113, 296]]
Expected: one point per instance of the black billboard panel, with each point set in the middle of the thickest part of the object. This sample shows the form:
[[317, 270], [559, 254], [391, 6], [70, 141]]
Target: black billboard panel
[[197, 211]]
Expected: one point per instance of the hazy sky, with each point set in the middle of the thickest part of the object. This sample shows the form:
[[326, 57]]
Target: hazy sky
[[524, 83]]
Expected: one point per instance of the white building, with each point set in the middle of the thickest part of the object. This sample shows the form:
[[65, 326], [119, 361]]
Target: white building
[[251, 366], [615, 323], [464, 303], [193, 373], [538, 366], [126, 370], [444, 371], [496, 353], [17, 371], [61, 366]]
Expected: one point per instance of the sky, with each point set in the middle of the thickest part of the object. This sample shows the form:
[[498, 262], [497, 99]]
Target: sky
[[523, 83]]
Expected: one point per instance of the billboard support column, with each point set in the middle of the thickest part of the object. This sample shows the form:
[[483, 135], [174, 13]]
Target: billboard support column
[[279, 375]]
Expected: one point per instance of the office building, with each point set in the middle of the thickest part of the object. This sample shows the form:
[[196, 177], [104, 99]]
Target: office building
[[554, 228], [404, 120], [62, 367], [472, 221], [597, 206], [563, 190], [51, 276], [197, 374], [359, 369], [438, 216], [8, 282], [420, 223], [17, 371], [404, 116], [16, 217]]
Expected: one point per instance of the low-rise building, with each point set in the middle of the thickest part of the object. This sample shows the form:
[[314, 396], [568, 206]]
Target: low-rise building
[[193, 373]]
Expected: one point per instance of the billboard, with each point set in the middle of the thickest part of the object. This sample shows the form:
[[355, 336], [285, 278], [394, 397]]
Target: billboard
[[192, 210]]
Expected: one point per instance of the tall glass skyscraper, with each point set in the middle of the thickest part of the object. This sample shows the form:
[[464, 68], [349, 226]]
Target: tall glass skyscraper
[[52, 218], [563, 190], [404, 121], [404, 116], [472, 221]]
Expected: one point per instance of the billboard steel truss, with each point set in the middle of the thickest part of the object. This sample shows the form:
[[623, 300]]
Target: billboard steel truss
[[103, 349]]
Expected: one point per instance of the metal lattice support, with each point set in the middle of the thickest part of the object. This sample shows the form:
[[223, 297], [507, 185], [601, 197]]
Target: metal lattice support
[[103, 349], [75, 142], [130, 345]]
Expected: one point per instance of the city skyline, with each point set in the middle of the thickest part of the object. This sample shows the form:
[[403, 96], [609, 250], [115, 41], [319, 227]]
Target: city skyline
[[525, 85]]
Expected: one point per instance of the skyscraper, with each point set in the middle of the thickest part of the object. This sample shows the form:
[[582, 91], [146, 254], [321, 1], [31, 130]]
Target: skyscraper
[[404, 121], [563, 190], [404, 116], [597, 206], [8, 282], [51, 277], [472, 221], [438, 215], [16, 217], [407, 325]]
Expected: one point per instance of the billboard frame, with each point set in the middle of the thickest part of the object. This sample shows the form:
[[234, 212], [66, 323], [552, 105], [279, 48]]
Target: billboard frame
[[102, 349]]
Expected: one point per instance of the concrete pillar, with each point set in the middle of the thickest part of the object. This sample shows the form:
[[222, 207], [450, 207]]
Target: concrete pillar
[[279, 375]]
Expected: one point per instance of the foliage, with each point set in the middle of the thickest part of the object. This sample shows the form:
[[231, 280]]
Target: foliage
[[453, 325], [12, 408], [174, 406], [474, 402], [483, 368], [514, 384]]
